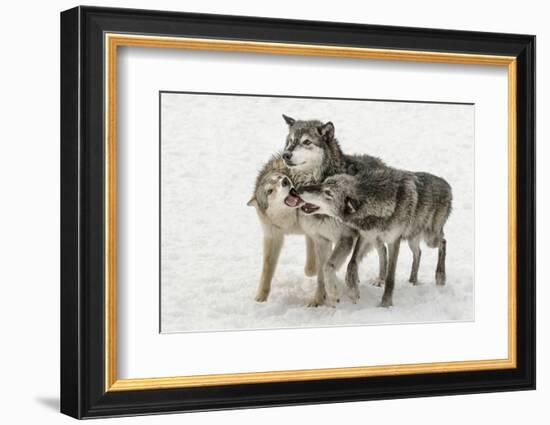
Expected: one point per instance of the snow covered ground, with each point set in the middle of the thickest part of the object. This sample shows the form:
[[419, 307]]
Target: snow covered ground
[[211, 149]]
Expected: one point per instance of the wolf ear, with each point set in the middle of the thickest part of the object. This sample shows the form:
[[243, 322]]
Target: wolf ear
[[351, 206], [288, 120], [252, 202], [327, 130]]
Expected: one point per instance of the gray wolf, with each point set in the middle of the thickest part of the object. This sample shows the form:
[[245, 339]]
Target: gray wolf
[[390, 205], [277, 220], [311, 154]]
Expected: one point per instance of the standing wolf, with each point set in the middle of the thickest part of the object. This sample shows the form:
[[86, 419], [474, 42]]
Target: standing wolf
[[390, 205], [277, 220], [311, 154]]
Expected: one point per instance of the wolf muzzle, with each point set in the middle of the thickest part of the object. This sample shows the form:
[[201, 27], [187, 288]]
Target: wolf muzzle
[[293, 199]]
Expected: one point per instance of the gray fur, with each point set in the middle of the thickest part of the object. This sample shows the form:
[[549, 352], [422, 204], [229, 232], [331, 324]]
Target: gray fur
[[391, 205], [334, 160], [324, 231], [275, 164], [277, 221]]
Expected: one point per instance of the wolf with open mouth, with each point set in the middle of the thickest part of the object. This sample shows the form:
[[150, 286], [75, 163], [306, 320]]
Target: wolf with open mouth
[[311, 154], [389, 205], [277, 220]]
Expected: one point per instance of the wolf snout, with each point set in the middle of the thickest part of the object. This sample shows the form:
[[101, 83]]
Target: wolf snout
[[293, 192], [287, 155]]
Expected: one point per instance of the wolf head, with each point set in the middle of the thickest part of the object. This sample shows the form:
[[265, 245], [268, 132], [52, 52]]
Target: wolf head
[[271, 192], [307, 144], [336, 197], [369, 194]]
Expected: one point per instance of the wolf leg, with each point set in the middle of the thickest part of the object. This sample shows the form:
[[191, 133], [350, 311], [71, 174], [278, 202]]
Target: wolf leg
[[272, 249], [352, 273], [382, 263], [393, 253], [310, 267], [339, 254], [414, 245], [362, 247], [440, 276], [322, 252]]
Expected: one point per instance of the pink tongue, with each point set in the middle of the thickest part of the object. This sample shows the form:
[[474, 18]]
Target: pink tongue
[[291, 201]]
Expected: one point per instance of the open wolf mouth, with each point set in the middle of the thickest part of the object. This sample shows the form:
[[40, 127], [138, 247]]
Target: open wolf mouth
[[309, 208], [293, 199]]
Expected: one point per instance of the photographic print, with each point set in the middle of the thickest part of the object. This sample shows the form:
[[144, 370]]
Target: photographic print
[[294, 212], [256, 183]]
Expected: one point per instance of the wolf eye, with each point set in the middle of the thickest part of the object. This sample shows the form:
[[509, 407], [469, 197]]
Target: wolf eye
[[269, 191], [328, 193], [306, 142]]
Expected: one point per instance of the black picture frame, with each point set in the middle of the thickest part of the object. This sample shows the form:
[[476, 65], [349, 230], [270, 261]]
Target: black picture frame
[[83, 392]]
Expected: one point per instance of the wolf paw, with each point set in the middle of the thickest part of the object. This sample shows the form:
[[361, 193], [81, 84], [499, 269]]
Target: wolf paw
[[310, 271], [318, 300], [333, 295], [315, 303], [261, 296], [386, 302], [440, 278]]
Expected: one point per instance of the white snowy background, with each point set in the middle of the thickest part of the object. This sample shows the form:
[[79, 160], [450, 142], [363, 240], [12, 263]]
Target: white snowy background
[[211, 243]]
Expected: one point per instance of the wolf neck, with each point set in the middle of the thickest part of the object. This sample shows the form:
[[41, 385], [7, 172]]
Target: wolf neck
[[333, 163]]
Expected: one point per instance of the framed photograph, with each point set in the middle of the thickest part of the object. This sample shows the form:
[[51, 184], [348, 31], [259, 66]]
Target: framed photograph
[[261, 212]]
